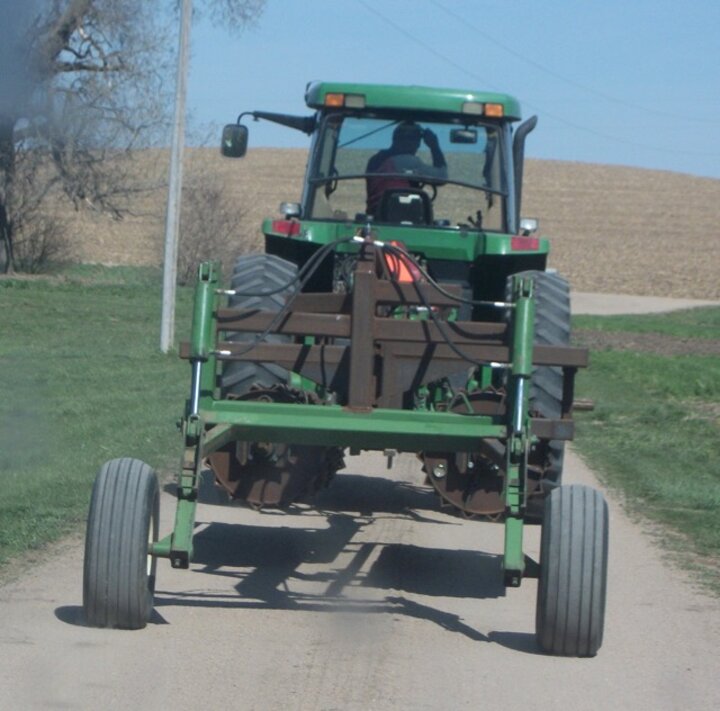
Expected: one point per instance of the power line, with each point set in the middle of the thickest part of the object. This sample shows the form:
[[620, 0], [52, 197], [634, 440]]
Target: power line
[[571, 82], [535, 107], [418, 41]]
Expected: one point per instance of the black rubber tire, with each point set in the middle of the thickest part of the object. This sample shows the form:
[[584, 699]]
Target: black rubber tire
[[552, 327], [258, 273], [119, 575], [571, 594]]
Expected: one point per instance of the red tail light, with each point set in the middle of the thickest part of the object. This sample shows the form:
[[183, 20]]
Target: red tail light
[[520, 243], [290, 228]]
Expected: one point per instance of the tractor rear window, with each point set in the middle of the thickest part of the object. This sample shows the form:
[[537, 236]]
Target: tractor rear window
[[444, 172]]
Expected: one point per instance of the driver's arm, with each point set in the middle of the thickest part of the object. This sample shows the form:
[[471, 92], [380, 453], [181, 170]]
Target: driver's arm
[[431, 141]]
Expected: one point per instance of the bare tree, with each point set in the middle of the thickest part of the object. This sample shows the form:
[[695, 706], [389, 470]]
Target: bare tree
[[234, 14], [209, 225], [81, 87]]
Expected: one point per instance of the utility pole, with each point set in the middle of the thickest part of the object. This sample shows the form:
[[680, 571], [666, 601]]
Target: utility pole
[[172, 220]]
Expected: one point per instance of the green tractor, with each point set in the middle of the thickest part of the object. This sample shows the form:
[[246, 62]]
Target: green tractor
[[401, 305]]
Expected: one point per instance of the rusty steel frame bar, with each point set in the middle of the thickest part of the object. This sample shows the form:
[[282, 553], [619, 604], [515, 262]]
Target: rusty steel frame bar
[[463, 333], [386, 357]]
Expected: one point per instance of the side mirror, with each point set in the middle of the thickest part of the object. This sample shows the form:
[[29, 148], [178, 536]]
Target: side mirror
[[464, 135], [290, 209], [528, 226], [234, 140]]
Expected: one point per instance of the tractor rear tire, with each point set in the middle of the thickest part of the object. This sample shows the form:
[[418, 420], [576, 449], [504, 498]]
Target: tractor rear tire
[[552, 328], [573, 572], [119, 573], [257, 273]]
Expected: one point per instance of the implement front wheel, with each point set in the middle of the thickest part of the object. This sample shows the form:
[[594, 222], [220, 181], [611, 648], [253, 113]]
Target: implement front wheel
[[119, 574], [573, 572]]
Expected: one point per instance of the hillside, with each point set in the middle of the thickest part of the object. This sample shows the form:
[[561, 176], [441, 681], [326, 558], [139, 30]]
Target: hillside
[[613, 229]]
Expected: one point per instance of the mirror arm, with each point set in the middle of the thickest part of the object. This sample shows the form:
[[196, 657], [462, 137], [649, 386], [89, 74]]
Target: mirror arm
[[245, 113], [306, 124]]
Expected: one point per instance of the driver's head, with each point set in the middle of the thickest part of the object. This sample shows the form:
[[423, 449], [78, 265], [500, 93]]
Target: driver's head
[[406, 137]]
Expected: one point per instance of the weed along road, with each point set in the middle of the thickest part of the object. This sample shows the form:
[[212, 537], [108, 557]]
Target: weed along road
[[376, 599]]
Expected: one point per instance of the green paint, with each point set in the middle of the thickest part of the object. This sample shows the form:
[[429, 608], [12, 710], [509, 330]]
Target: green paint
[[523, 322], [181, 547], [454, 243], [523, 327], [201, 341], [513, 558], [384, 96], [332, 425]]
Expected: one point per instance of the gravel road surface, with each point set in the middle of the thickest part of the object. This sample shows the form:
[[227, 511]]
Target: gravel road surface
[[612, 304], [377, 600]]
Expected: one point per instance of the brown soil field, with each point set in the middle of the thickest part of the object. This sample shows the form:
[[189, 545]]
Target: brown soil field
[[612, 228]]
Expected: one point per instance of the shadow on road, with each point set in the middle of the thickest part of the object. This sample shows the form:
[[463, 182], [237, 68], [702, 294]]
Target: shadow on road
[[268, 564], [264, 559], [75, 615], [309, 567]]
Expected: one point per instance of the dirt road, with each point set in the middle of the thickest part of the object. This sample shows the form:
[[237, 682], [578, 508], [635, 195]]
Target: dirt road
[[378, 601], [612, 304]]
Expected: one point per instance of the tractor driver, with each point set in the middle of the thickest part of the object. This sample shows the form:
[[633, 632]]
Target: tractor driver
[[401, 158]]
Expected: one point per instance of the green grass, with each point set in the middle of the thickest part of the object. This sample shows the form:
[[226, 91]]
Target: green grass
[[690, 323], [82, 381], [655, 431]]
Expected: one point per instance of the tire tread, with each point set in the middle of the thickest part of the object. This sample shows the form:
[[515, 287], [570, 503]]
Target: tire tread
[[573, 577], [124, 507], [257, 273]]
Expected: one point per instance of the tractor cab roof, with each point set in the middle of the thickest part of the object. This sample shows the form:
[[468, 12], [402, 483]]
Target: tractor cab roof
[[339, 95]]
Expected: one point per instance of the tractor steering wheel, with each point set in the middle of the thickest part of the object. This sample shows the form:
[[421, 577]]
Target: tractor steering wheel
[[433, 189]]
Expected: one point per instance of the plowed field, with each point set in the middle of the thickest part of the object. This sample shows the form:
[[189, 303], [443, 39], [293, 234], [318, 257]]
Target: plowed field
[[613, 229]]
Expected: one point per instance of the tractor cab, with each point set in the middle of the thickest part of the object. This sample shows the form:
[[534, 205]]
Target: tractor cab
[[363, 166], [437, 170], [407, 156]]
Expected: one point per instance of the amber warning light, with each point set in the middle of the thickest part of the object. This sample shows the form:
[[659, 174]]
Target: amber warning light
[[494, 110], [351, 101]]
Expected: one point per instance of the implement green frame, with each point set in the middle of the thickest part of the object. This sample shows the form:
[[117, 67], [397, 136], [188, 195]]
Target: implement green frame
[[211, 423]]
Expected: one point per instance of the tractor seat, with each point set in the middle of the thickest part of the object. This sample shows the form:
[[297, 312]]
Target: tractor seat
[[406, 207]]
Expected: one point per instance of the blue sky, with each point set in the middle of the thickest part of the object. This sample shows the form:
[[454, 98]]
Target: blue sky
[[631, 83]]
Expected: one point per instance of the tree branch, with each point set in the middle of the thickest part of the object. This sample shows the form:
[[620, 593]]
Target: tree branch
[[58, 36], [86, 67]]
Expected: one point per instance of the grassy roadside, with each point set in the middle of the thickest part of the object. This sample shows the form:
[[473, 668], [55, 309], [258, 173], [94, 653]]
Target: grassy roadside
[[82, 381], [654, 434], [691, 323]]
